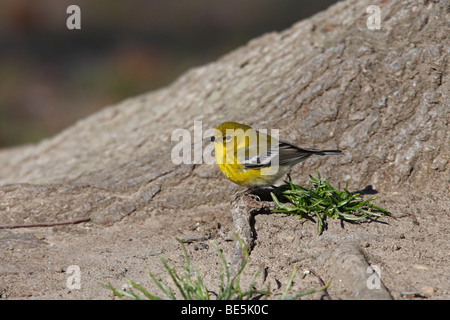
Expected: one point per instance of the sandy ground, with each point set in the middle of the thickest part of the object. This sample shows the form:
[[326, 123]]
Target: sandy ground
[[411, 251]]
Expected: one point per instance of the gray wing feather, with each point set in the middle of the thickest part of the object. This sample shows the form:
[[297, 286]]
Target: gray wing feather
[[287, 153]]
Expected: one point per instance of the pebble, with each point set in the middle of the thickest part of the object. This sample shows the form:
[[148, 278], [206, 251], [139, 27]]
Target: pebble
[[58, 269], [290, 238], [156, 252], [420, 267], [200, 246], [427, 291]]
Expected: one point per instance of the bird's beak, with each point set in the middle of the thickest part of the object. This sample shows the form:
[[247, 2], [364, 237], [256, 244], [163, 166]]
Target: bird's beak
[[209, 138]]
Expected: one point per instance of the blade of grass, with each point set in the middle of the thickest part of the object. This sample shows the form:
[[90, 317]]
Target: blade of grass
[[174, 276], [145, 292], [302, 294], [167, 291], [289, 283]]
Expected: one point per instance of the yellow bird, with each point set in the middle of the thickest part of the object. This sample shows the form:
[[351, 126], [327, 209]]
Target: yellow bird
[[254, 159]]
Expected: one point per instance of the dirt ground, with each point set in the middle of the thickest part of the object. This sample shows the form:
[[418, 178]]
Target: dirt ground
[[411, 251]]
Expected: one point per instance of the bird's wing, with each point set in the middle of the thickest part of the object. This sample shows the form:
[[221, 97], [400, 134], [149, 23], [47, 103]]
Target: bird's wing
[[281, 151]]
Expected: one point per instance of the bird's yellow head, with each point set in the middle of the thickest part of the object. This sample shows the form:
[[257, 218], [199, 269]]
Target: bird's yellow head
[[227, 138], [226, 131]]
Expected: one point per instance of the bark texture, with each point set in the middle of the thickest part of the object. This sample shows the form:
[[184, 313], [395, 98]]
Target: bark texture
[[327, 82]]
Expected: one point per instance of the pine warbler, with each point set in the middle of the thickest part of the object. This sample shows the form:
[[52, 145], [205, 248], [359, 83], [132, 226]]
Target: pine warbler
[[255, 159]]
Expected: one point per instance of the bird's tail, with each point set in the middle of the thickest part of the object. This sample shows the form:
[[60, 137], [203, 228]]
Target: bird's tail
[[327, 152]]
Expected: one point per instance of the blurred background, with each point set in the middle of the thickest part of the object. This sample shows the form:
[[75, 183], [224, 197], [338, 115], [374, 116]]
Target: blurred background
[[51, 76]]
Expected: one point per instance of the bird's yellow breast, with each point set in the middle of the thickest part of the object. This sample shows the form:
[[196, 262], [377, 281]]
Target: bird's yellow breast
[[243, 176], [252, 177]]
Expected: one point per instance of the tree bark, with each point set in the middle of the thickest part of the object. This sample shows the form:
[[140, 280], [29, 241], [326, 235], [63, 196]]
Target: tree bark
[[326, 82]]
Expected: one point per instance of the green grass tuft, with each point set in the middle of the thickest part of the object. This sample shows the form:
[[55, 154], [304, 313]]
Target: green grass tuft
[[190, 286], [323, 200]]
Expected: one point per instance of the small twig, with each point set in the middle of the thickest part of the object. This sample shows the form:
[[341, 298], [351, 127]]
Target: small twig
[[322, 284], [43, 224]]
